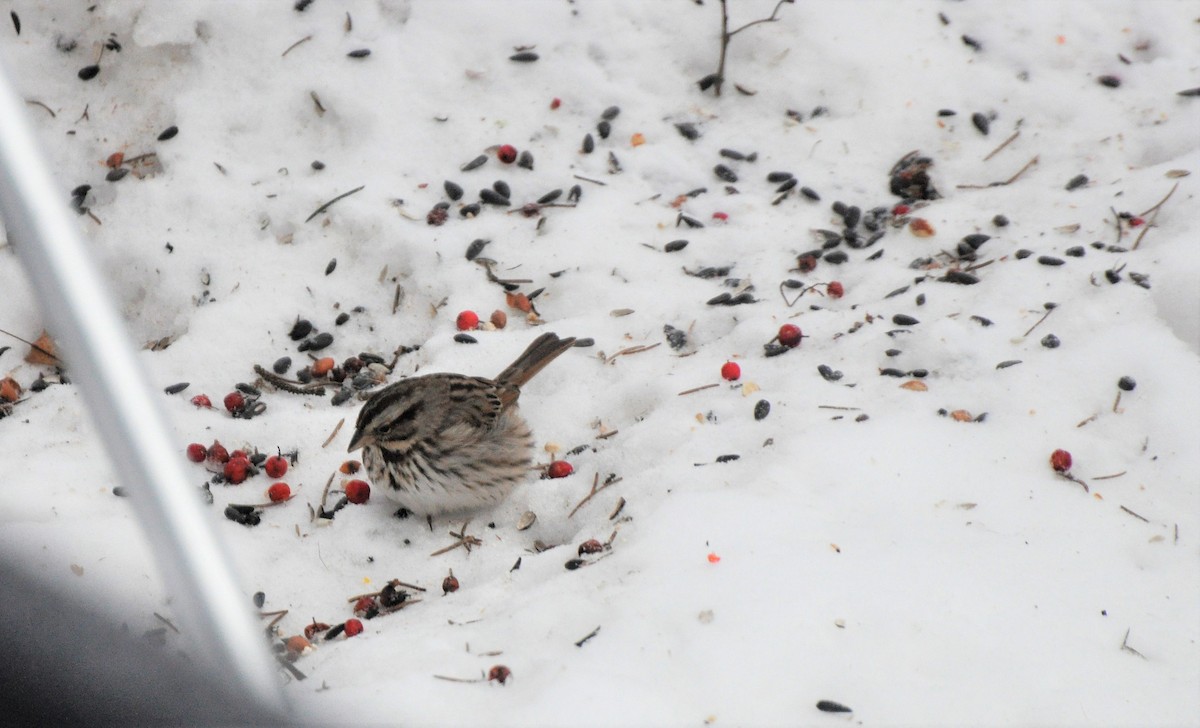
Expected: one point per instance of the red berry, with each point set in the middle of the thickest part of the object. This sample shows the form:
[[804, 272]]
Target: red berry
[[722, 216], [1136, 221], [239, 454], [591, 546], [806, 263], [197, 453], [202, 400], [217, 453], [499, 673], [467, 321], [449, 584], [279, 492], [555, 103], [559, 469], [835, 289], [507, 153], [234, 402], [365, 606], [353, 627], [358, 491], [1060, 460], [899, 210], [731, 371], [236, 470], [276, 466], [790, 335]]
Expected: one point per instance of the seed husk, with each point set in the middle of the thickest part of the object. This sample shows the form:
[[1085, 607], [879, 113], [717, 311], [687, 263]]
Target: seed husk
[[475, 163], [524, 57]]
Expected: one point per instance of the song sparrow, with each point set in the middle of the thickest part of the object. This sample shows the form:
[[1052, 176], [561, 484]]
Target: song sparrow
[[448, 442]]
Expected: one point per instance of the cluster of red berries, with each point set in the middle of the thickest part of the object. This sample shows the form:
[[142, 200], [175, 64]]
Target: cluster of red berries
[[469, 320], [236, 403], [235, 467]]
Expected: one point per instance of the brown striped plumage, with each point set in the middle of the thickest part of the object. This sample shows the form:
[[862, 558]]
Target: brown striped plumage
[[446, 442]]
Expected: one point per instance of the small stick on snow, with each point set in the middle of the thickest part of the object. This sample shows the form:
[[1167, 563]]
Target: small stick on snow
[[835, 407], [590, 635], [465, 540], [333, 434], [305, 39], [1154, 210], [1090, 419], [1003, 144], [1125, 646], [1008, 181], [693, 390], [589, 179], [167, 622], [1110, 477], [1140, 518], [327, 205], [1039, 322], [593, 492], [33, 102]]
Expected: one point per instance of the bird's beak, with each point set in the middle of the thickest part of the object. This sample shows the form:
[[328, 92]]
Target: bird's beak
[[360, 439]]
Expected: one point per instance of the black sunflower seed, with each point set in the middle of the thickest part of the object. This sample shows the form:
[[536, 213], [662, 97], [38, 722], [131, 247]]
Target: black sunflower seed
[[1023, 253], [610, 113], [341, 396], [810, 193], [1000, 221], [777, 177], [330, 266], [902, 319], [1008, 363], [176, 388], [475, 163], [976, 239], [1110, 81], [1050, 341], [675, 245], [168, 133], [524, 57], [890, 372], [972, 43], [453, 190], [550, 196], [1075, 251], [830, 706], [476, 247], [470, 210], [300, 329], [87, 73], [493, 197], [465, 339], [688, 130], [1126, 383], [320, 341], [725, 173], [342, 318], [762, 408], [574, 193], [502, 187], [525, 160], [116, 174], [981, 122], [1076, 182], [359, 53], [1050, 260], [282, 364], [707, 81], [588, 144], [733, 154], [828, 373], [603, 129], [836, 257]]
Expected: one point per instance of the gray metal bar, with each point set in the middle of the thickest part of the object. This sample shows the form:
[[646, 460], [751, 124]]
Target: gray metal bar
[[195, 567]]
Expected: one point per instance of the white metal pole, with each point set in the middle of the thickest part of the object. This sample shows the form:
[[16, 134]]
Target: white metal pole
[[196, 569]]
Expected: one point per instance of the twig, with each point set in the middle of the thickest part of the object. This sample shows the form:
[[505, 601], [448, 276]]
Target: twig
[[631, 350], [727, 35], [305, 39], [835, 407], [458, 679], [1003, 144], [1125, 646], [31, 344], [326, 206], [1143, 519], [1073, 479], [1008, 181], [693, 390], [33, 102], [589, 179], [333, 434], [288, 385], [290, 668], [1089, 419], [590, 635], [464, 540], [591, 494], [1154, 210], [167, 622], [1110, 477], [1039, 322]]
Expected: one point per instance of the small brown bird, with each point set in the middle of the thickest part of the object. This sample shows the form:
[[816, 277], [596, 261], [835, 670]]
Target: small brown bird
[[440, 443]]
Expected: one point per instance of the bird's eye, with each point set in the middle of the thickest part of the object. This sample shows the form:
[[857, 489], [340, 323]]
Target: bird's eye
[[384, 429]]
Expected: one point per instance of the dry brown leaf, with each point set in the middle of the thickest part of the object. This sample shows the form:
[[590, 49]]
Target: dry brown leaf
[[915, 385], [961, 415], [10, 390], [43, 351]]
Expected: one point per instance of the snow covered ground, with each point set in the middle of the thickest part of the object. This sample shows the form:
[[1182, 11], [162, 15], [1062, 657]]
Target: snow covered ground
[[897, 544]]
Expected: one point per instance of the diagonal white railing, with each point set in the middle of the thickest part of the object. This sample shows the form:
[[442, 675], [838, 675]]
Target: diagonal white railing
[[195, 566]]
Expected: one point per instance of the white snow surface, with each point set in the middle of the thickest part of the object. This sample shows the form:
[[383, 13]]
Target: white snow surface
[[865, 549]]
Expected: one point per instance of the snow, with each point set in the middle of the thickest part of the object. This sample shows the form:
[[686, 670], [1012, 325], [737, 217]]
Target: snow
[[918, 569]]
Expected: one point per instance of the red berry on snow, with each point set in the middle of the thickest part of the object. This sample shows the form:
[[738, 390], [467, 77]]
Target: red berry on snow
[[234, 401], [365, 606], [559, 469], [279, 492], [217, 453], [790, 335], [449, 584], [467, 321], [358, 491], [276, 466], [1060, 460], [353, 627], [806, 263], [236, 470], [239, 454], [202, 400], [555, 103], [197, 453], [499, 673], [591, 546], [899, 210], [507, 153], [835, 289], [722, 216], [1136, 221], [731, 371]]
